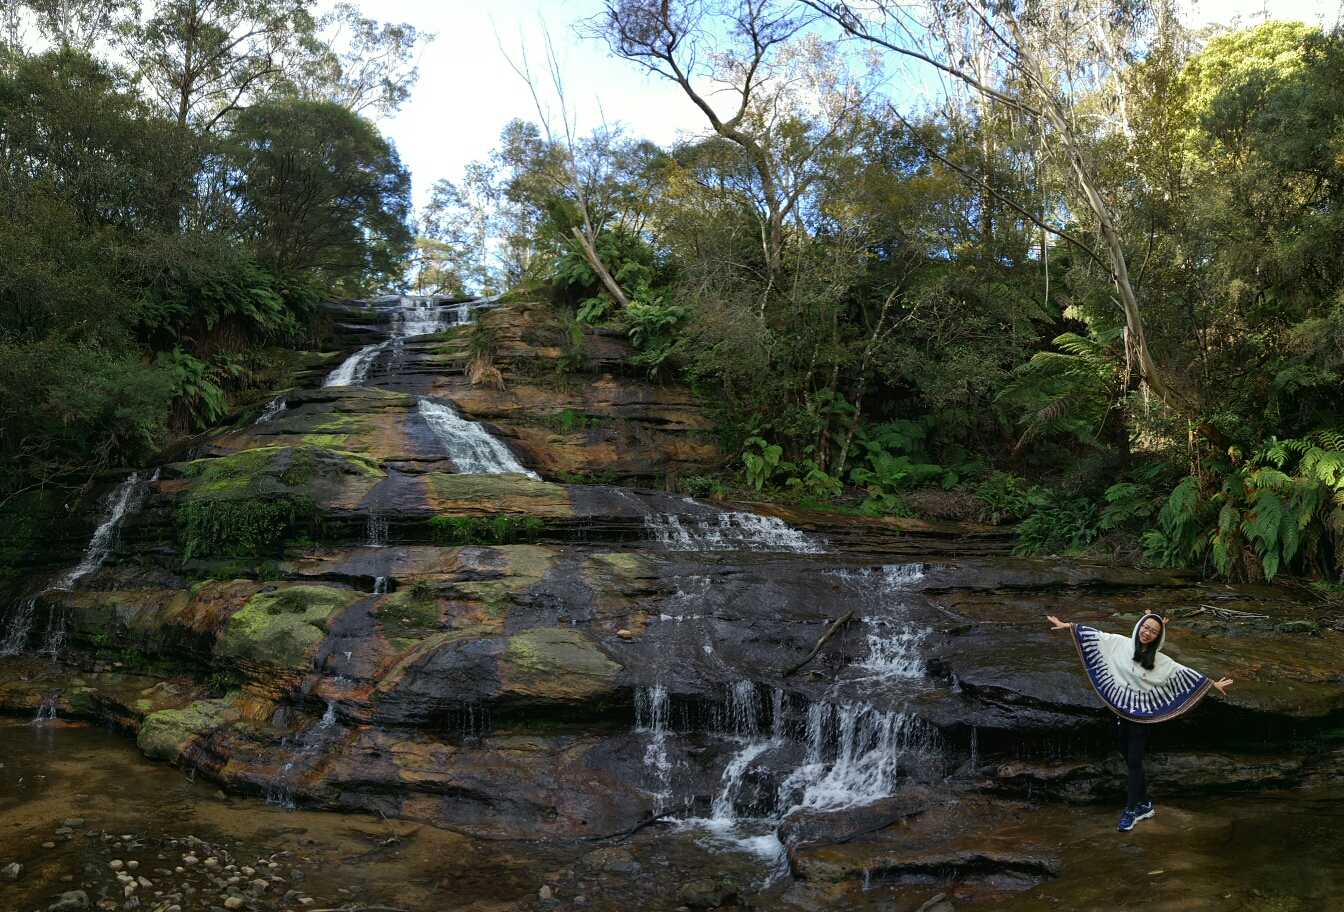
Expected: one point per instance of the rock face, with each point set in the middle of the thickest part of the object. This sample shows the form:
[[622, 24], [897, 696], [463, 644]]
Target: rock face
[[320, 608]]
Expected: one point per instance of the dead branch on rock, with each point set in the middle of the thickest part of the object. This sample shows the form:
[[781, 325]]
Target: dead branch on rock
[[820, 643]]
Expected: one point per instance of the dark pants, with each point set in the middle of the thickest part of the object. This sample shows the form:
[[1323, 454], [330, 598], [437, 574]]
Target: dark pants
[[1131, 739]]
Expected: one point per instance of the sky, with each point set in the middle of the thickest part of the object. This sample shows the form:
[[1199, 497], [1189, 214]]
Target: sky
[[468, 91]]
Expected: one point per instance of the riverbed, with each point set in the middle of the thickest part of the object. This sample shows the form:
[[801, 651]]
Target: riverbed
[[1268, 851]]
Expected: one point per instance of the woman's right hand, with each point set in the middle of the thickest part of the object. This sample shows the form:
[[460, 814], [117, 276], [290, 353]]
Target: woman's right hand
[[1059, 625]]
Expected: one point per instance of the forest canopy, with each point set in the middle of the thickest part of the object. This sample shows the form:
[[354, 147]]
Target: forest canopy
[[1090, 282]]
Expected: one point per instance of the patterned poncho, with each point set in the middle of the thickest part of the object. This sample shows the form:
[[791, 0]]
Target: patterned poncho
[[1139, 694]]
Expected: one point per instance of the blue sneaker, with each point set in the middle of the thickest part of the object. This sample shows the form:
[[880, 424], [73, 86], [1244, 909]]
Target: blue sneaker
[[1143, 811], [1126, 820]]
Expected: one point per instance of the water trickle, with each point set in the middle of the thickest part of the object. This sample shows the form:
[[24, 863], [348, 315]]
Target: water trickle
[[125, 499], [19, 627], [354, 370], [853, 757], [727, 532], [273, 409], [651, 713], [379, 588], [328, 720], [53, 638], [468, 444], [46, 711], [375, 531]]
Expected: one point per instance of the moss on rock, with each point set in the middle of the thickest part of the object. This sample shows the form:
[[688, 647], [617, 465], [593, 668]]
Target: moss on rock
[[164, 734], [278, 629], [556, 663]]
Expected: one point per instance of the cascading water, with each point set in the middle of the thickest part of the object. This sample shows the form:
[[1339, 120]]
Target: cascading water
[[375, 531], [19, 627], [379, 588], [468, 444], [125, 499], [414, 315], [273, 409], [727, 532], [651, 711]]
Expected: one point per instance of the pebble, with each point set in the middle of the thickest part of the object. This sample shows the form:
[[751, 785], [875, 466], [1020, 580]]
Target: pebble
[[233, 902], [63, 831], [623, 634], [132, 864], [144, 881], [305, 900], [116, 864], [12, 871], [189, 859], [74, 823], [544, 893], [179, 870], [48, 845], [71, 901]]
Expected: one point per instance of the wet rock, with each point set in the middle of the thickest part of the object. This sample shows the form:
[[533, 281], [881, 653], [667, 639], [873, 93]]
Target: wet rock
[[71, 901], [12, 871], [74, 823], [279, 629], [166, 734], [939, 903], [708, 894], [614, 860]]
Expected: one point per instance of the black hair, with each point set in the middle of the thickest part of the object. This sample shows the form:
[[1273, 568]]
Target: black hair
[[1147, 655]]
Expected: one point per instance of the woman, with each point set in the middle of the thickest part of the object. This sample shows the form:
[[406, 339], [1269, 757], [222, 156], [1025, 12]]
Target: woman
[[1141, 686]]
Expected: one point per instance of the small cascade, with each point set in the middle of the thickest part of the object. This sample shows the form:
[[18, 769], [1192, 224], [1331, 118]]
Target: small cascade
[[468, 444], [354, 370], [375, 531], [379, 588], [125, 499], [853, 757], [273, 409], [328, 720], [651, 713], [413, 315], [727, 532], [46, 711], [19, 627], [53, 638]]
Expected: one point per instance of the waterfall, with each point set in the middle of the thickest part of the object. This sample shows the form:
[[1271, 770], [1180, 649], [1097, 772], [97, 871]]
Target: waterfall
[[651, 716], [53, 638], [354, 370], [727, 532], [867, 744], [414, 315], [46, 711], [375, 530], [379, 588], [273, 409], [123, 500], [470, 447], [19, 627]]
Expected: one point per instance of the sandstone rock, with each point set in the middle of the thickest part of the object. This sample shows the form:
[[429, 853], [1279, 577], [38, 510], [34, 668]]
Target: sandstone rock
[[278, 629], [165, 733]]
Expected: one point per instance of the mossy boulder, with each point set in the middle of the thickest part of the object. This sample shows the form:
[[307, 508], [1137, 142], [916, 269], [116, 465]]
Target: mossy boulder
[[278, 629], [164, 734], [557, 664]]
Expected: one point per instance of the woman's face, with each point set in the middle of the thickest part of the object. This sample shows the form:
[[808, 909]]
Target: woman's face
[[1149, 630]]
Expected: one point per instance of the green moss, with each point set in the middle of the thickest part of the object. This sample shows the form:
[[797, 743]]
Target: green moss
[[165, 733], [481, 530], [325, 440], [279, 628], [404, 616]]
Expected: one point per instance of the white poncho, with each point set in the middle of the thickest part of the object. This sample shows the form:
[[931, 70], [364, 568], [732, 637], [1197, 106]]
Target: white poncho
[[1139, 694]]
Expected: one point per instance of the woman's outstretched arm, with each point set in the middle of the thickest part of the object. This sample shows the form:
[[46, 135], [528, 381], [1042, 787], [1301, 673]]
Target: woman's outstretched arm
[[1222, 684], [1061, 625]]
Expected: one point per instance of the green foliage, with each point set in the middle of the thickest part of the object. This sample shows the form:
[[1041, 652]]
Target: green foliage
[[244, 528], [1282, 508], [569, 421], [763, 461], [420, 591], [480, 530], [319, 189]]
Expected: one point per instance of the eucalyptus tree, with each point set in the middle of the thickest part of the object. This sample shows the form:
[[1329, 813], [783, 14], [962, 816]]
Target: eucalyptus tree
[[1039, 61]]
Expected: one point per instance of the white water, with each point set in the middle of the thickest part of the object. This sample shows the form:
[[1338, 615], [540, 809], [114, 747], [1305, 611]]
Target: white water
[[379, 588], [893, 641], [375, 531], [125, 499], [468, 444], [19, 626], [651, 711], [867, 744], [273, 409], [46, 711], [727, 532], [415, 315]]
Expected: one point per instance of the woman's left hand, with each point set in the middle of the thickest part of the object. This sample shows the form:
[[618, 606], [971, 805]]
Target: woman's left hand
[[1222, 684]]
